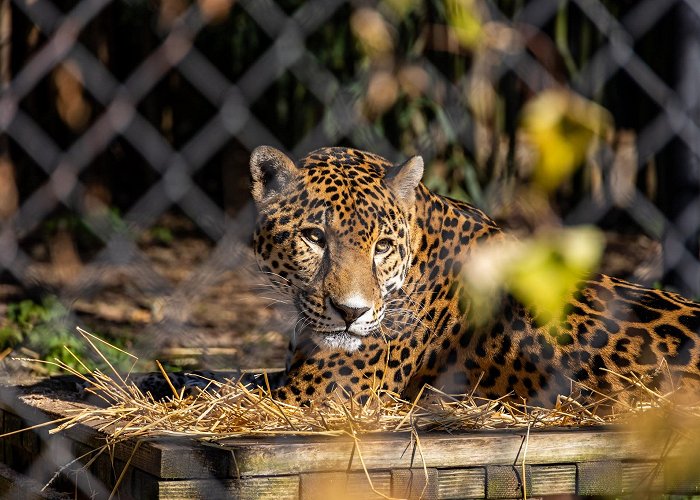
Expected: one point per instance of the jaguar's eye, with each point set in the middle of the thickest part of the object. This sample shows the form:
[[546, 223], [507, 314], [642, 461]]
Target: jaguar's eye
[[315, 236], [382, 246]]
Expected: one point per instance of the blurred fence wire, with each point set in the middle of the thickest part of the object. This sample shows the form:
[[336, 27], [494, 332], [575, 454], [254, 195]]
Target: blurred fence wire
[[125, 129]]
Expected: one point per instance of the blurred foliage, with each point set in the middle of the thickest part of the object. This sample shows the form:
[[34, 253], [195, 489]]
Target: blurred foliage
[[562, 128], [547, 269], [438, 78], [85, 228], [464, 18], [488, 100], [162, 235], [43, 330], [541, 272], [427, 76]]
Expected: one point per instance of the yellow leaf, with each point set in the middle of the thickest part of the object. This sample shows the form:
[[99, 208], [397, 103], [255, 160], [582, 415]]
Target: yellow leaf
[[561, 127], [545, 274], [465, 20], [541, 273]]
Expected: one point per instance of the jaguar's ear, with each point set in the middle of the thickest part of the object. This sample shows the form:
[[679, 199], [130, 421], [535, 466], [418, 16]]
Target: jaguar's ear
[[404, 179], [270, 170]]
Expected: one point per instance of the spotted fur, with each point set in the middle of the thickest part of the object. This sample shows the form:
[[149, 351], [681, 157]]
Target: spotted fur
[[371, 259]]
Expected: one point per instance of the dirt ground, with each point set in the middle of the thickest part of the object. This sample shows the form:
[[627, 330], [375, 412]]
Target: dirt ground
[[194, 303]]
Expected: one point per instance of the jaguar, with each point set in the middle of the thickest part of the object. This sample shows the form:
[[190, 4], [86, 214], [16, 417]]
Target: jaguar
[[373, 263]]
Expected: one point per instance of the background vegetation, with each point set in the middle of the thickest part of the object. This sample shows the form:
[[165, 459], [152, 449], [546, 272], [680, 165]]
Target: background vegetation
[[518, 107]]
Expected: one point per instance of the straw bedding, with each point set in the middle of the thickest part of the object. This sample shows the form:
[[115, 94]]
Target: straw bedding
[[231, 409]]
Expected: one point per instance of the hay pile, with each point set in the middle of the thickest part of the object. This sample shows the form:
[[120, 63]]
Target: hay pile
[[232, 409]]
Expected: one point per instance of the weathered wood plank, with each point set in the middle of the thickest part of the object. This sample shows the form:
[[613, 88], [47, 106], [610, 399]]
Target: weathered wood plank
[[642, 477], [616, 478], [602, 477], [682, 476], [137, 484], [173, 458], [462, 483], [507, 481], [268, 488], [414, 483], [259, 488], [326, 485], [164, 458], [141, 485], [553, 479], [382, 451]]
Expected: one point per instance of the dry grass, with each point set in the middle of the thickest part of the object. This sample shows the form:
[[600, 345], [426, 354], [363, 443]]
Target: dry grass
[[231, 409]]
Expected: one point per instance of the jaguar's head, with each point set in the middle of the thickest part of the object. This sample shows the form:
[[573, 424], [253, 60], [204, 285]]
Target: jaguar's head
[[334, 234]]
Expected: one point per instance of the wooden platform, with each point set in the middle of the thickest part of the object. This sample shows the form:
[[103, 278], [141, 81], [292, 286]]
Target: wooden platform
[[476, 464]]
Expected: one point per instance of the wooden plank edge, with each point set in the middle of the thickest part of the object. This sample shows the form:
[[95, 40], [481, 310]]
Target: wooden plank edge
[[265, 457]]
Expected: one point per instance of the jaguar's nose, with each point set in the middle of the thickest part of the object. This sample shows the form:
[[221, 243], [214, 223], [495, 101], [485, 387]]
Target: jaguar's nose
[[349, 314]]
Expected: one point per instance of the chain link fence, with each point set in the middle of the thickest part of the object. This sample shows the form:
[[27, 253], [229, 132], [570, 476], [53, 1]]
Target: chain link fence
[[125, 130]]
